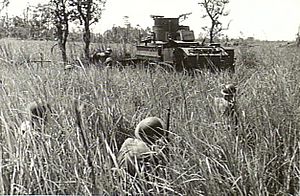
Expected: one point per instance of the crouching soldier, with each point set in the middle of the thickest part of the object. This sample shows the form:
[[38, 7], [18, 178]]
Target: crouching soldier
[[103, 58], [226, 106], [108, 58], [98, 58]]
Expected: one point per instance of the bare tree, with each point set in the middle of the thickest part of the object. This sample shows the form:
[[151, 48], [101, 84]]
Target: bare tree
[[3, 4], [215, 9], [61, 17], [88, 12]]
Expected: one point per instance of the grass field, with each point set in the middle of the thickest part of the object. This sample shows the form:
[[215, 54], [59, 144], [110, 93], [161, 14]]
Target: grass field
[[260, 157]]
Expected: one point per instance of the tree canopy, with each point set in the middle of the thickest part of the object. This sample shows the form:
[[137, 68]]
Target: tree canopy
[[214, 10]]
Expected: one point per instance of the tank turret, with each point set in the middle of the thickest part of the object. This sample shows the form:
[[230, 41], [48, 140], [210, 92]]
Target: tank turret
[[165, 29]]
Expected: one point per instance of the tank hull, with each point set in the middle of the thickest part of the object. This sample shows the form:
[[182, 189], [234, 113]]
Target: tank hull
[[188, 55]]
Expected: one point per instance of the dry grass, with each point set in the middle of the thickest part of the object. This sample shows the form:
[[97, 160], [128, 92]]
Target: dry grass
[[260, 157]]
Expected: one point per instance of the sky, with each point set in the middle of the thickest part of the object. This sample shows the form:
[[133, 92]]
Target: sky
[[262, 19]]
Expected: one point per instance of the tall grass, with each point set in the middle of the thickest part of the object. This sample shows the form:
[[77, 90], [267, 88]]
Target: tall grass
[[259, 157]]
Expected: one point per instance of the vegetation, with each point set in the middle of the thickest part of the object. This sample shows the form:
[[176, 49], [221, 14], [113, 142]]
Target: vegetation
[[87, 12], [259, 157], [61, 17], [51, 21], [215, 10]]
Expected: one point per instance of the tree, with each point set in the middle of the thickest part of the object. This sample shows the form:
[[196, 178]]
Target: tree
[[40, 23], [3, 4], [117, 34], [87, 12], [3, 30], [35, 23], [19, 28], [61, 16], [215, 9]]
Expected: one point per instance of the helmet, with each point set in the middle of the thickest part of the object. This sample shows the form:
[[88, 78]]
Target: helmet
[[229, 89], [102, 54], [150, 129], [69, 67]]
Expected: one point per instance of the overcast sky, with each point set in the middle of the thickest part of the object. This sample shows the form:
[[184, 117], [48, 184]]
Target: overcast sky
[[263, 19]]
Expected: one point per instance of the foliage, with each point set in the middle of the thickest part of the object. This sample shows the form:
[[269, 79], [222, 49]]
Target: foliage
[[4, 4], [41, 20], [215, 9], [61, 17], [87, 12], [117, 34], [34, 24]]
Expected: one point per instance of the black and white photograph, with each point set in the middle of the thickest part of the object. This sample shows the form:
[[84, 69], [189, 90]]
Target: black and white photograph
[[150, 97]]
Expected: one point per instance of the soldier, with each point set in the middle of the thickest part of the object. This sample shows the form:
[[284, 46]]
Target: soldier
[[38, 117], [99, 57], [109, 50], [226, 105], [146, 149], [108, 59]]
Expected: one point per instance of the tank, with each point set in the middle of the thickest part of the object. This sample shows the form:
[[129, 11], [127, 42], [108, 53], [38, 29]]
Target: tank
[[174, 44]]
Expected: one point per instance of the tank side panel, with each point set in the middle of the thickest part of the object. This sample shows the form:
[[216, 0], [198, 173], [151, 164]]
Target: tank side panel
[[228, 63], [168, 55], [208, 60], [148, 53]]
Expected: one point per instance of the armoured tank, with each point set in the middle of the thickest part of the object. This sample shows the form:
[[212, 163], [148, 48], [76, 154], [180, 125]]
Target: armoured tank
[[174, 44]]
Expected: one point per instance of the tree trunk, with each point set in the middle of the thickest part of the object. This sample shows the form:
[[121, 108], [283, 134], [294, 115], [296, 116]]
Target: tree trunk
[[62, 41], [211, 32], [87, 40], [65, 33], [87, 33], [61, 45], [211, 36], [63, 53]]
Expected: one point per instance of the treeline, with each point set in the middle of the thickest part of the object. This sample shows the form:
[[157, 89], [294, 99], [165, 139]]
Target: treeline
[[36, 23], [126, 34]]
